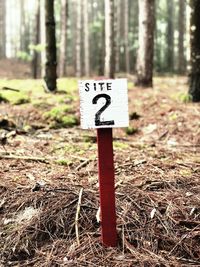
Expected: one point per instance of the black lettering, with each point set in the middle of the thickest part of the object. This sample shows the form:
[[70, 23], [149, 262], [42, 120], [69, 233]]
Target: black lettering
[[101, 86], [87, 89], [109, 86]]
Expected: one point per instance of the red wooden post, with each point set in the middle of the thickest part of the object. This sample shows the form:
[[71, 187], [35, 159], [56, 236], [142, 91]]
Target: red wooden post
[[107, 187]]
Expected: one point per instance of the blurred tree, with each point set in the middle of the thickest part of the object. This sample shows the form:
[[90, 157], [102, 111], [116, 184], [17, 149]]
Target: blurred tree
[[51, 61], [118, 39], [170, 35], [126, 35], [2, 28], [144, 66], [109, 68], [42, 37], [194, 88], [78, 38], [35, 59], [181, 37], [63, 38], [86, 38]]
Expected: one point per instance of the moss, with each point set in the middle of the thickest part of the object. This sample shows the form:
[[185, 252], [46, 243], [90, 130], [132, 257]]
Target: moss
[[120, 145], [131, 130], [59, 118], [63, 162]]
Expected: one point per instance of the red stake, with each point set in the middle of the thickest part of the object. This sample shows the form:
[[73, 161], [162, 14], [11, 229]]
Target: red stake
[[107, 187]]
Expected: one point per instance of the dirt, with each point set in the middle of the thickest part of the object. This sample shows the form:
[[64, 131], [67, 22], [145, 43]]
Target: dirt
[[157, 172]]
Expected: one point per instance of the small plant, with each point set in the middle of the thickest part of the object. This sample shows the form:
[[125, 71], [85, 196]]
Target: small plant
[[59, 118], [131, 130], [184, 97]]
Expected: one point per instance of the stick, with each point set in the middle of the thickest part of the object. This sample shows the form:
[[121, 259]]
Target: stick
[[10, 89], [2, 156], [77, 216], [83, 164]]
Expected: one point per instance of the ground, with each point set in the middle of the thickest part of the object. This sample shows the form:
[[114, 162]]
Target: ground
[[46, 161]]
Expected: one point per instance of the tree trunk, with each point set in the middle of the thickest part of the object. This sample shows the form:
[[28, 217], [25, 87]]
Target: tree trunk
[[2, 28], [51, 62], [194, 89], [63, 41], [118, 39], [42, 37], [170, 35], [35, 59], [78, 39], [126, 37], [86, 39], [144, 68], [182, 29], [109, 68]]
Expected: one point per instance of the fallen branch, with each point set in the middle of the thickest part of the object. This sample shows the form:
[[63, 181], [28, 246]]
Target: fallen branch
[[3, 156], [83, 164], [10, 89], [77, 216]]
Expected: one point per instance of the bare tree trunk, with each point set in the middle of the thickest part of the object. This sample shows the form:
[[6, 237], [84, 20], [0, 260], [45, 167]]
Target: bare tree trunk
[[42, 37], [144, 68], [182, 29], [118, 27], [36, 42], [51, 63], [126, 29], [170, 36], [2, 28], [109, 68], [86, 39], [63, 41], [194, 88], [78, 39]]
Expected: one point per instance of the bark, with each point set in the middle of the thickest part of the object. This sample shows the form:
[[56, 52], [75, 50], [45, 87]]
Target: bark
[[78, 39], [2, 28], [51, 61], [182, 29], [126, 29], [35, 60], [86, 39], [194, 88], [63, 41], [144, 68], [170, 36], [42, 37], [118, 27], [109, 68]]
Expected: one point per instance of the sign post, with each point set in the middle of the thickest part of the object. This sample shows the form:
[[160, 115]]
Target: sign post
[[103, 106]]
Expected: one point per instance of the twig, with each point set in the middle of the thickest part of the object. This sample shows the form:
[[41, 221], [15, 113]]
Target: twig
[[10, 89], [77, 216], [2, 156], [83, 164]]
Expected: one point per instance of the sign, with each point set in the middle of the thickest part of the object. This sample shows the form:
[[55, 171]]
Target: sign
[[103, 103]]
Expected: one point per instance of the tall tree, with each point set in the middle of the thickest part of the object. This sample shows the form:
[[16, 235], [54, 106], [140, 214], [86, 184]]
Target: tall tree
[[194, 88], [86, 39], [2, 28], [170, 35], [118, 27], [109, 67], [126, 35], [42, 37], [51, 61], [63, 37], [182, 29], [78, 38], [144, 68], [35, 60]]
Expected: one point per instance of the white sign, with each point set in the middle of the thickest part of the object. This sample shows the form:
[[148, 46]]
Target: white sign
[[103, 103]]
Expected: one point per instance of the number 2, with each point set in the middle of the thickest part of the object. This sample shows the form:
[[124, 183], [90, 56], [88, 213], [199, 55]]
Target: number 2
[[98, 121]]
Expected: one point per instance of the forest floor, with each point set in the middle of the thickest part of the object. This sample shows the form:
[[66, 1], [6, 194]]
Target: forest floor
[[46, 160]]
